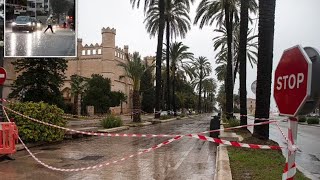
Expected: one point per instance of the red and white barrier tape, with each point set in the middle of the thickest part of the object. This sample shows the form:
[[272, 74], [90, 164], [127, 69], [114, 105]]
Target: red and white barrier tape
[[288, 174], [234, 143], [197, 136]]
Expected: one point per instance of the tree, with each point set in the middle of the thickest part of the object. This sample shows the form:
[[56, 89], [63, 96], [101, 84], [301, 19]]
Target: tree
[[40, 79], [78, 85], [117, 98], [60, 6], [201, 69], [161, 27], [222, 12], [177, 24], [134, 70], [209, 88], [264, 73], [178, 54], [243, 61], [147, 91], [98, 93]]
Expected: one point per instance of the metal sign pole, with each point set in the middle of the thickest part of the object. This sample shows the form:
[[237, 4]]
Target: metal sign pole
[[290, 168], [1, 86]]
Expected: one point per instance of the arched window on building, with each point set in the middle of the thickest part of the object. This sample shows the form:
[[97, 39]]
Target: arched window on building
[[83, 52], [94, 51], [88, 52], [99, 51]]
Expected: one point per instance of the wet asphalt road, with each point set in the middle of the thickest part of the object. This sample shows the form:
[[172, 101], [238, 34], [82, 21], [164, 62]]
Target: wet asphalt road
[[184, 159], [308, 157], [62, 43]]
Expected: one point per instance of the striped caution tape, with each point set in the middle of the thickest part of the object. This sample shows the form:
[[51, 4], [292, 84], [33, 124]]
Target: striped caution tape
[[288, 173], [234, 143], [196, 135]]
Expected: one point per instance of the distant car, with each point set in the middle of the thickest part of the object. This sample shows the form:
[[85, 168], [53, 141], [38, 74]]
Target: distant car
[[24, 23]]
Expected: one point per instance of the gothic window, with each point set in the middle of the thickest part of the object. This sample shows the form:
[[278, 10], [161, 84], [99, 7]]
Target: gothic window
[[99, 51], [94, 51], [88, 52], [83, 52]]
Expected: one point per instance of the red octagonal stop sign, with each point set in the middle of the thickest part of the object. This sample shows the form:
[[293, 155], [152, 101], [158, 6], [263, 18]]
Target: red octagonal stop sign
[[3, 75], [292, 83]]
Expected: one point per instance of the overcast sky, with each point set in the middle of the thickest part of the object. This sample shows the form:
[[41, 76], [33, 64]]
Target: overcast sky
[[297, 22]]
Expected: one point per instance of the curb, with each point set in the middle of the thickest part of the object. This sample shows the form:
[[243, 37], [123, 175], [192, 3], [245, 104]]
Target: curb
[[223, 170], [139, 124], [113, 129]]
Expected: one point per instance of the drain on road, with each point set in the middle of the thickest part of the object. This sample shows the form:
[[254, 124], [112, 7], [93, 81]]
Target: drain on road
[[91, 158]]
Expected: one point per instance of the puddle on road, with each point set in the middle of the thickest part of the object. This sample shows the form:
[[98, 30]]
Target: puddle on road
[[314, 158]]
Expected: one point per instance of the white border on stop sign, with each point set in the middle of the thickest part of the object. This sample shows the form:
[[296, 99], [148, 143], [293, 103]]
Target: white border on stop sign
[[308, 81]]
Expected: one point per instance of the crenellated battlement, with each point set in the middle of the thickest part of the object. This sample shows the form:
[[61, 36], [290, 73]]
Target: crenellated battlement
[[108, 30]]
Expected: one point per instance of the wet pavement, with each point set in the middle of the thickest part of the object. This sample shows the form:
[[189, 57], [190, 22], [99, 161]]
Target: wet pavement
[[308, 157], [184, 159], [37, 43]]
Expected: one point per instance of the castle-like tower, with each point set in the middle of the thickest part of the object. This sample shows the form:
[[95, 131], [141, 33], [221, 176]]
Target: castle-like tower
[[102, 59]]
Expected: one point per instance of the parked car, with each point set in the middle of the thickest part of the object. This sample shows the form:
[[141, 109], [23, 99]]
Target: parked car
[[24, 23], [164, 113]]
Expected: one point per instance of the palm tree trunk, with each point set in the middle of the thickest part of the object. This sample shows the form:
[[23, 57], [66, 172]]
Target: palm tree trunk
[[243, 61], [229, 82], [168, 65], [159, 57], [264, 73], [136, 106], [200, 87], [173, 93], [75, 103], [235, 71], [121, 112]]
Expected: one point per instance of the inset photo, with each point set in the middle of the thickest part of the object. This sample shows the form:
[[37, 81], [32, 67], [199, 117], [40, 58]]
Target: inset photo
[[40, 28]]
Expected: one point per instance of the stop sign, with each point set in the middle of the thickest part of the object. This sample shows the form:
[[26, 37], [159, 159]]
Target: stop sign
[[292, 83], [3, 75]]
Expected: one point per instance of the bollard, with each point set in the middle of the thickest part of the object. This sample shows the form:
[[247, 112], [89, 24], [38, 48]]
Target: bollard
[[214, 125]]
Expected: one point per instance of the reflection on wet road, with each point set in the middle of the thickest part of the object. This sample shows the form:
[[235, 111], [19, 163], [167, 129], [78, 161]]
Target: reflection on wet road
[[184, 159], [37, 43], [308, 156]]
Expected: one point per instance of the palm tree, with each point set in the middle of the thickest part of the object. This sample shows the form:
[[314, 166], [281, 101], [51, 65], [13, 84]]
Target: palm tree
[[134, 69], [177, 24], [161, 5], [78, 85], [243, 61], [201, 69], [223, 12], [178, 53], [209, 88], [264, 73]]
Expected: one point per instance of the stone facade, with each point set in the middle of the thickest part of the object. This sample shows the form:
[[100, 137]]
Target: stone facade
[[100, 59], [251, 106]]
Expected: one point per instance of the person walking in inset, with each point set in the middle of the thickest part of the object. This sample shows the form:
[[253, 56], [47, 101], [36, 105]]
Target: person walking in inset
[[49, 23]]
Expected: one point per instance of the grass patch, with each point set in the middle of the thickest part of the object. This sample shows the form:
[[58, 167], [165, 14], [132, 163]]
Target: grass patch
[[111, 121], [256, 163]]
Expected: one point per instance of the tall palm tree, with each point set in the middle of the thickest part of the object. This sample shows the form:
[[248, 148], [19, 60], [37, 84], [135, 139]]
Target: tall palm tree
[[134, 70], [178, 54], [209, 88], [177, 23], [161, 4], [222, 12], [243, 61], [78, 85], [264, 73], [201, 68]]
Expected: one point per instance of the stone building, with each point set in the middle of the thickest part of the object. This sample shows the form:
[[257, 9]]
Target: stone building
[[251, 106], [91, 59]]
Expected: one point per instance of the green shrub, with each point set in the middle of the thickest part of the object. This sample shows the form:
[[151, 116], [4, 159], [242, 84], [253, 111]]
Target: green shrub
[[302, 119], [111, 121], [182, 115], [165, 117], [31, 131], [233, 122], [313, 120]]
